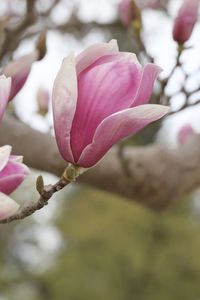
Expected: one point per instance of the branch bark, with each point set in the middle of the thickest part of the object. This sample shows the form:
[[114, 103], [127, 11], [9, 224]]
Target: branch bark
[[158, 176]]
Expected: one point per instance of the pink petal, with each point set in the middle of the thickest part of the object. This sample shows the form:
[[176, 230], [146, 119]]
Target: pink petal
[[149, 75], [129, 57], [94, 52], [107, 86], [12, 176], [19, 71], [117, 127], [5, 87], [64, 105], [8, 207], [4, 156]]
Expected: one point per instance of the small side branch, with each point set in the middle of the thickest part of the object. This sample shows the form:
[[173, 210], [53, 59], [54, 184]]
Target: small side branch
[[45, 195], [46, 192]]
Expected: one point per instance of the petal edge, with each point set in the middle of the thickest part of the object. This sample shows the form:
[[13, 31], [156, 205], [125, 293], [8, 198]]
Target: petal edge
[[64, 99], [118, 126], [94, 52]]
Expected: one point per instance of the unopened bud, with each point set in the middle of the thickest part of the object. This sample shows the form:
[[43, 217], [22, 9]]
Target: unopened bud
[[185, 21], [19, 71], [130, 13], [42, 101], [40, 184]]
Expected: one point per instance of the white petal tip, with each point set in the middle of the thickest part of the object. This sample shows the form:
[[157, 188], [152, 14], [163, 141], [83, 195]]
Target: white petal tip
[[114, 44], [8, 207], [5, 149], [159, 110]]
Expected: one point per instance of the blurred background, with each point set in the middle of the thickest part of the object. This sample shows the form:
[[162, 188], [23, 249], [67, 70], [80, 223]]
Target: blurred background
[[87, 244]]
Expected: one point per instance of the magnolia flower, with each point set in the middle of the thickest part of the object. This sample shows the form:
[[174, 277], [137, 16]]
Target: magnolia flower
[[5, 87], [99, 99], [185, 21], [43, 101], [129, 12], [19, 70], [12, 173], [12, 170], [184, 133]]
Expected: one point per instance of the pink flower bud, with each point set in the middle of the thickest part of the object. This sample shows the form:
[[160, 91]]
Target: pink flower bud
[[19, 70], [12, 170], [185, 21], [43, 101], [184, 133], [7, 206], [5, 87], [129, 12], [99, 99]]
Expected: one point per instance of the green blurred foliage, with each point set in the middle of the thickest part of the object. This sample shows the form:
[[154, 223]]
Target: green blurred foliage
[[114, 249], [118, 250]]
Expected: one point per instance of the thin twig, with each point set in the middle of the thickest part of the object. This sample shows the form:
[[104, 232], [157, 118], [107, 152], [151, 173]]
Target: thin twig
[[45, 195], [165, 81], [12, 37]]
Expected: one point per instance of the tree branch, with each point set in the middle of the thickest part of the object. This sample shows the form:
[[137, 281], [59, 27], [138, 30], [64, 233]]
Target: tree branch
[[159, 176]]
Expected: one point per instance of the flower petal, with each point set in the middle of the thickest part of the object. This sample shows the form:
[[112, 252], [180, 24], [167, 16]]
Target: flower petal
[[94, 52], [64, 100], [5, 87], [12, 176], [19, 71], [4, 156], [150, 73], [109, 85], [17, 158], [117, 127], [8, 207]]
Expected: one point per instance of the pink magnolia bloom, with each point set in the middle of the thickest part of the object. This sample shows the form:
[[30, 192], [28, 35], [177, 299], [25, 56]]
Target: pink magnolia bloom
[[128, 12], [99, 99], [184, 133], [19, 70], [5, 87], [12, 170], [43, 100], [185, 21]]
